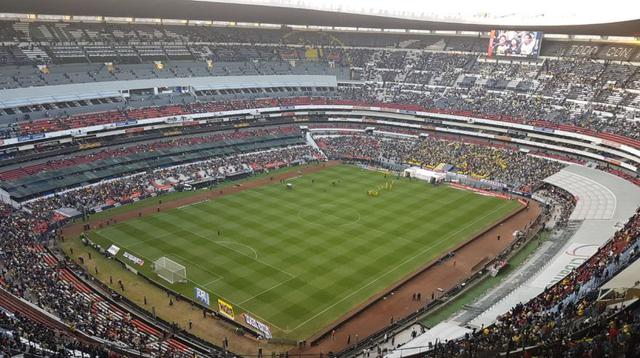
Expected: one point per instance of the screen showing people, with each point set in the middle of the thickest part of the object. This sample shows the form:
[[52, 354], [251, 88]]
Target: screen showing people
[[514, 43]]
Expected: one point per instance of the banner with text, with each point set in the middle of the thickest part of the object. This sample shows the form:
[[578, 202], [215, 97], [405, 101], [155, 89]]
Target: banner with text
[[225, 309], [263, 328], [202, 296]]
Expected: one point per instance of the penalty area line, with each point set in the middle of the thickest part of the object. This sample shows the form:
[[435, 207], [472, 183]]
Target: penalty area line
[[213, 281], [196, 284], [194, 265], [265, 291]]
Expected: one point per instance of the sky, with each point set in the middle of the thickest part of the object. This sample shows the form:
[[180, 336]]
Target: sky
[[518, 12]]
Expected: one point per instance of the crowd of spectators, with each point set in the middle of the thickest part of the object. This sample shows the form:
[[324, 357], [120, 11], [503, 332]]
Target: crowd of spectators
[[155, 146], [20, 335], [133, 114], [504, 165], [27, 274], [577, 92], [143, 184], [503, 105], [535, 323], [559, 199], [566, 320]]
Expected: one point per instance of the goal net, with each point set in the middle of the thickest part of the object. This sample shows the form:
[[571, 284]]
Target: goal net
[[170, 270]]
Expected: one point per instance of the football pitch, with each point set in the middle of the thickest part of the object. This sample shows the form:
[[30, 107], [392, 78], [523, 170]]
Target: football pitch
[[297, 259]]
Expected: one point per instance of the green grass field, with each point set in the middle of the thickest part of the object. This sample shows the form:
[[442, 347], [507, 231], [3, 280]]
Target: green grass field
[[299, 259]]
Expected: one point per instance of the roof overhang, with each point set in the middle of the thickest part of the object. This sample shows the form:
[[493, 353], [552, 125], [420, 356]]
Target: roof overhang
[[27, 96], [199, 10]]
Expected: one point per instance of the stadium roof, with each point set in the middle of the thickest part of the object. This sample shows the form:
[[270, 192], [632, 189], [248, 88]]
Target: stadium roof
[[494, 12], [218, 11]]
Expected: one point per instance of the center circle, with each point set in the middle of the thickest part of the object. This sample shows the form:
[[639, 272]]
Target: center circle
[[329, 215]]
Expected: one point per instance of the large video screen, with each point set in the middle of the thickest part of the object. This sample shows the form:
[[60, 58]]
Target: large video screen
[[514, 43]]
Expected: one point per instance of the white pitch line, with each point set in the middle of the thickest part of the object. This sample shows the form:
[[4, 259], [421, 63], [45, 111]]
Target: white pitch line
[[155, 238], [255, 253], [226, 298], [335, 203], [239, 306], [437, 243], [192, 204], [213, 281], [240, 253], [198, 284], [301, 217], [194, 264], [267, 290]]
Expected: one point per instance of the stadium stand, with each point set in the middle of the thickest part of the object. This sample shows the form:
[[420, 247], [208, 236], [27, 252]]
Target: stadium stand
[[483, 162], [31, 272], [566, 319], [148, 125]]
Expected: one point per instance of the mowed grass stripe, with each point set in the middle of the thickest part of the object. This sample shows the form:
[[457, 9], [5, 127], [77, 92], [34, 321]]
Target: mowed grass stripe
[[321, 248], [428, 250]]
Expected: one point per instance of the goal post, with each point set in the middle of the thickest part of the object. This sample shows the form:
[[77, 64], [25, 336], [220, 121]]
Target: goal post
[[170, 270]]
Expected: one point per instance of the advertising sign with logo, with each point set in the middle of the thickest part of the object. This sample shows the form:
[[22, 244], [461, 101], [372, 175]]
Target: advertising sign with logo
[[225, 309], [202, 296], [136, 260], [113, 250], [263, 328]]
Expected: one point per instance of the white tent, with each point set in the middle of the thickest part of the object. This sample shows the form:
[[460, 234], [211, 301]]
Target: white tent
[[425, 174]]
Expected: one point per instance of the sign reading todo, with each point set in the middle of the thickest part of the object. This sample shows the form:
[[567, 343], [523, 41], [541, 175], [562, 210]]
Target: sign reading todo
[[225, 309], [202, 296], [263, 328], [136, 260]]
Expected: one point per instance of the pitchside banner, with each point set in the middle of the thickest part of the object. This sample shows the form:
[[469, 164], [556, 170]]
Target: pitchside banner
[[514, 43], [263, 328], [225, 309], [113, 250], [136, 260], [202, 296]]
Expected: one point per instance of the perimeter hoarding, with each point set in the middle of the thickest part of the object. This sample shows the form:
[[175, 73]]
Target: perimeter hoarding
[[510, 43], [202, 296], [226, 309]]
